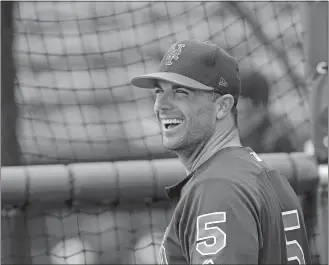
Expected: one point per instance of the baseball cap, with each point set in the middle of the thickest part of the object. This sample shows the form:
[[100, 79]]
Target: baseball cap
[[198, 65]]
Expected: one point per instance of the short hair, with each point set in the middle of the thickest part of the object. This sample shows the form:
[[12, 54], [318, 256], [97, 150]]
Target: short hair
[[254, 86]]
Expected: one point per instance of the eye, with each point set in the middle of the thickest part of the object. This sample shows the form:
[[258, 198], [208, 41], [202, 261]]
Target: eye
[[158, 90], [181, 91]]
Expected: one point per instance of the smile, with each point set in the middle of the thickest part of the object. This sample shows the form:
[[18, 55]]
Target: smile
[[169, 124]]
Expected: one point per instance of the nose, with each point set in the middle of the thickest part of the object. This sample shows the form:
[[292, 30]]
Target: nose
[[163, 102]]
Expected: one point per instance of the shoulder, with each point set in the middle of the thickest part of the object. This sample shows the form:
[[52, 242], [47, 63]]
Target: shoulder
[[236, 177], [224, 194], [242, 167]]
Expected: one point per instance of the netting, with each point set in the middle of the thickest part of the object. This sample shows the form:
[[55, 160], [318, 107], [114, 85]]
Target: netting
[[75, 61], [116, 213], [94, 235]]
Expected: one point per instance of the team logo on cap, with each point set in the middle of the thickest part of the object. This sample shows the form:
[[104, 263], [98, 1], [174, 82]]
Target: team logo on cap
[[173, 53]]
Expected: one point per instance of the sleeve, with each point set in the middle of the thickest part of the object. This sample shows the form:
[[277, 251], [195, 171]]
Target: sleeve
[[219, 225]]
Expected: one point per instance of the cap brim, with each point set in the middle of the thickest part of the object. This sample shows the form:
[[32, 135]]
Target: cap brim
[[149, 80]]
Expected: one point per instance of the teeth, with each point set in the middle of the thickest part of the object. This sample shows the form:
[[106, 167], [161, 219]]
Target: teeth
[[172, 121]]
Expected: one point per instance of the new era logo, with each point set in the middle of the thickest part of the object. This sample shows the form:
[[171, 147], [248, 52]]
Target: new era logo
[[222, 82]]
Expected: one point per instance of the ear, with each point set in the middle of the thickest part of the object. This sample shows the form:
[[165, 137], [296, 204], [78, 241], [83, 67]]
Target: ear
[[224, 105]]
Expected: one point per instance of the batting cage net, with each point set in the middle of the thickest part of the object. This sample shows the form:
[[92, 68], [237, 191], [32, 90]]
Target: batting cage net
[[90, 168], [75, 62]]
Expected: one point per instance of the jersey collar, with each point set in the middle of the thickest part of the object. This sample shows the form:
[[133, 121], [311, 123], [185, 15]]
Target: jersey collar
[[174, 191]]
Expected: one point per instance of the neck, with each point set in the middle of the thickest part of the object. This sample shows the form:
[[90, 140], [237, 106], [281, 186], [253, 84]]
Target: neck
[[192, 159]]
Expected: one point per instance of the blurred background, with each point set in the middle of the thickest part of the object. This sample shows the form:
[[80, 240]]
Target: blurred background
[[67, 99], [74, 62]]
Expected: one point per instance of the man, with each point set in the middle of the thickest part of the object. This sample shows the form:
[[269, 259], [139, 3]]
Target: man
[[231, 208], [259, 128]]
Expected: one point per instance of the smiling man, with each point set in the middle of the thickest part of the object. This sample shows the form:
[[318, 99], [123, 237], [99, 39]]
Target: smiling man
[[231, 208]]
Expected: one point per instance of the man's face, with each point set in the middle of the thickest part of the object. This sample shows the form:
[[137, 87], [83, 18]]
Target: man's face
[[187, 116]]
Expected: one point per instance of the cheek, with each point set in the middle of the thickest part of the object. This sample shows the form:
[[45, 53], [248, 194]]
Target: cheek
[[202, 121]]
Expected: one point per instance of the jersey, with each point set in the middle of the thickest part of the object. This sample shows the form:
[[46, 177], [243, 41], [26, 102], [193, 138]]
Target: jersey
[[235, 209]]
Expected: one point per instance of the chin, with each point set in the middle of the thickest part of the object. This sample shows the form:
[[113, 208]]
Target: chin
[[172, 144]]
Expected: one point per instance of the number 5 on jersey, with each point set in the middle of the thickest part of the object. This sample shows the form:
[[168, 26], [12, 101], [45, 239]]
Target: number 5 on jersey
[[211, 239], [294, 249]]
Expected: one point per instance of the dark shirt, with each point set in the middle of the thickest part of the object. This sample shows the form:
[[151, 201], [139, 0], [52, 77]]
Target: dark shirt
[[235, 209]]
